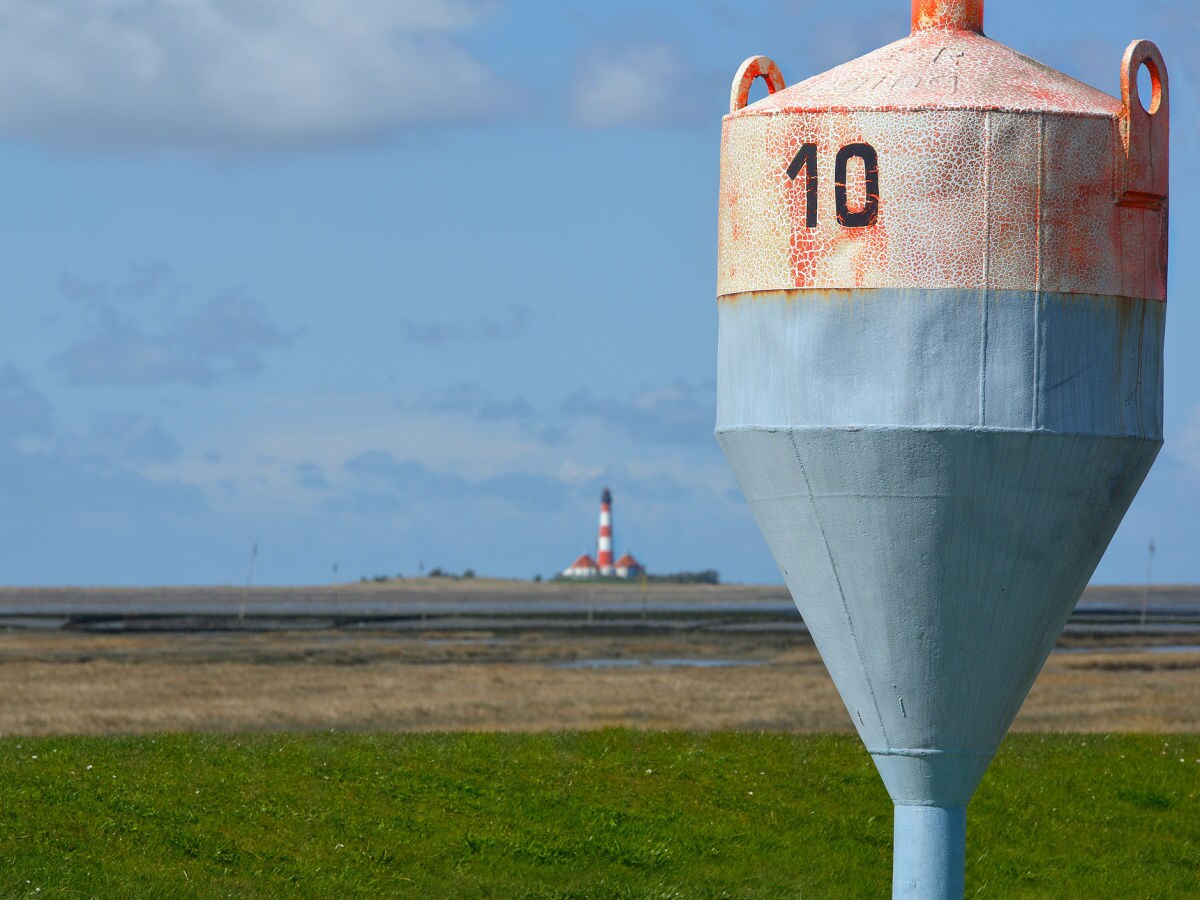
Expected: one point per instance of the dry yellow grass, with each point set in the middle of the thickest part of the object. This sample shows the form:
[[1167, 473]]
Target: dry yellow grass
[[63, 682]]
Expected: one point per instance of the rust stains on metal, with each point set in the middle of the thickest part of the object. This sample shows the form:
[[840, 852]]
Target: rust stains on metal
[[753, 68], [960, 15], [1021, 179]]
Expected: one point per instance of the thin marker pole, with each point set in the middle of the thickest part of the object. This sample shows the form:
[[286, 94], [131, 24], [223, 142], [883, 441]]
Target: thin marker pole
[[249, 578], [1146, 590]]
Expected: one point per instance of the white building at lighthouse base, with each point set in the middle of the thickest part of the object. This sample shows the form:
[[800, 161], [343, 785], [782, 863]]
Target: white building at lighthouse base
[[584, 567]]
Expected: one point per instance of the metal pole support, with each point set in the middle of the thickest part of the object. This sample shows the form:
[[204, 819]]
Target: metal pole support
[[930, 852]]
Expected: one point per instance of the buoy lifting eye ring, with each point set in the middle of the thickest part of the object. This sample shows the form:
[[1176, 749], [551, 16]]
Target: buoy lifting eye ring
[[755, 67]]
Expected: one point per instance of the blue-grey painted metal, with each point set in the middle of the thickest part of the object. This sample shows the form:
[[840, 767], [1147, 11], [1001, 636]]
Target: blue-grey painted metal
[[931, 850], [914, 358], [937, 474]]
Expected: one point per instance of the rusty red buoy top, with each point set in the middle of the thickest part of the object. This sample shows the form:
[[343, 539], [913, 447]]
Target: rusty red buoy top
[[962, 15], [1020, 176]]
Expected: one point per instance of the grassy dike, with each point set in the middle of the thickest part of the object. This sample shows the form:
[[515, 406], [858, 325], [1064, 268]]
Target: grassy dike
[[595, 814]]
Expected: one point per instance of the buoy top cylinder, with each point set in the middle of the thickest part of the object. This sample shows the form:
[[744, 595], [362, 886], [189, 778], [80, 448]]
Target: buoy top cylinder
[[946, 160]]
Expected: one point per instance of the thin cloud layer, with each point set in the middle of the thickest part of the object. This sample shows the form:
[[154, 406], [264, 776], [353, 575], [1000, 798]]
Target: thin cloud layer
[[225, 336], [510, 323], [24, 410], [120, 439], [380, 483], [1186, 447], [63, 481], [235, 74], [472, 399], [671, 413], [117, 495], [114, 440], [638, 85]]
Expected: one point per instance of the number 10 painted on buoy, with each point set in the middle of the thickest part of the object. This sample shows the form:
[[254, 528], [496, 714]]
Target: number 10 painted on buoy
[[806, 161]]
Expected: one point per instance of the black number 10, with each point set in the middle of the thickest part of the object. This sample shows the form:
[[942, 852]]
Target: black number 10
[[806, 160]]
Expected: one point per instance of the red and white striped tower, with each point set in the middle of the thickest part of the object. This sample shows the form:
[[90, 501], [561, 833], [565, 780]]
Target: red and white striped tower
[[604, 545]]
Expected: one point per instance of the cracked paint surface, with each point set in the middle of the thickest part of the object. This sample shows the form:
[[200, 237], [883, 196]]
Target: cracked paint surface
[[994, 172]]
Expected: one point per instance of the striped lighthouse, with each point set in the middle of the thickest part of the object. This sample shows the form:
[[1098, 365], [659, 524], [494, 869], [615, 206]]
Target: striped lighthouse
[[603, 566], [604, 543]]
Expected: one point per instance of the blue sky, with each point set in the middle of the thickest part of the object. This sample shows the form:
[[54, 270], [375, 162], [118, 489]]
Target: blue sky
[[399, 282]]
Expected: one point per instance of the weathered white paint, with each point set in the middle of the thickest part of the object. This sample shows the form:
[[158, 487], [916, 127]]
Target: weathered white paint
[[994, 172]]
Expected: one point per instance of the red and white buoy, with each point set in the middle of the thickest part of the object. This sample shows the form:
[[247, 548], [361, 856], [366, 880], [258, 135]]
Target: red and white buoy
[[942, 284], [604, 543]]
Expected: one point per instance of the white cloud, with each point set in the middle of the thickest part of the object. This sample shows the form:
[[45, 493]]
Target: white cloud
[[643, 84], [230, 74]]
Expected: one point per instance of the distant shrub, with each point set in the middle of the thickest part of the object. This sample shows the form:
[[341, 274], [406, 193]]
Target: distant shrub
[[468, 573], [707, 576]]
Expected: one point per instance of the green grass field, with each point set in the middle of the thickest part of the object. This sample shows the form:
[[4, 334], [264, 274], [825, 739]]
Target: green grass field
[[594, 814]]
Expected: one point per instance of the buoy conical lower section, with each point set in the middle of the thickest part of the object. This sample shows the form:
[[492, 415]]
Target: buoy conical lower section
[[934, 570]]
